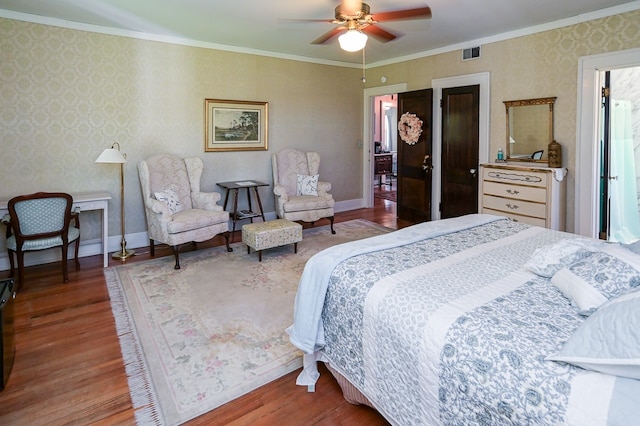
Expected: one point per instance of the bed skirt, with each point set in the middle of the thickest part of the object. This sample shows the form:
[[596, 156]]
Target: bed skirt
[[351, 394]]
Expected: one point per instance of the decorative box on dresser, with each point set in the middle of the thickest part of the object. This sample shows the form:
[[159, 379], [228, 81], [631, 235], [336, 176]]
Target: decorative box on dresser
[[531, 194]]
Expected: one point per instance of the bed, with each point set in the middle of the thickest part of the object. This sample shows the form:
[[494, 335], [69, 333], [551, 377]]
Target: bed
[[476, 320]]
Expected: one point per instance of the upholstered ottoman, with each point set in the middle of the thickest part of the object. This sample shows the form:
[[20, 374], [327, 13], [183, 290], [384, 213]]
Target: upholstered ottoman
[[275, 233]]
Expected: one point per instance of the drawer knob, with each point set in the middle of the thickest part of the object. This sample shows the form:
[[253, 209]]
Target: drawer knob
[[513, 191], [512, 206]]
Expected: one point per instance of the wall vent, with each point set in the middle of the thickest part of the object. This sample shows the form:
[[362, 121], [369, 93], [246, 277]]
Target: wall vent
[[471, 53]]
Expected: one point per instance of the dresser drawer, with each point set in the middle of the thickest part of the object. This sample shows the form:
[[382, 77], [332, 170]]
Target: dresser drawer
[[536, 221], [515, 177], [529, 193], [511, 205]]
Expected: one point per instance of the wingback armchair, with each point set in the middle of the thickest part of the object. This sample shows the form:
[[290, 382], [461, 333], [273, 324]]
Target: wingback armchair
[[38, 222], [177, 211], [298, 194]]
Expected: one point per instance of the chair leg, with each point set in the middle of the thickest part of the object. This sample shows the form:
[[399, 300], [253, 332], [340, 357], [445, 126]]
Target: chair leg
[[176, 254], [76, 254], [152, 248], [65, 275], [332, 230], [226, 239], [20, 256], [11, 263]]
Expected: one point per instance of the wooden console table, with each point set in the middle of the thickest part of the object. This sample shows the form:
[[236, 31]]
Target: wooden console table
[[84, 201], [234, 187]]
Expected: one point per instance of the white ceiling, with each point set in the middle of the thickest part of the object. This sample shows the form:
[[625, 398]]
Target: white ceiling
[[262, 26]]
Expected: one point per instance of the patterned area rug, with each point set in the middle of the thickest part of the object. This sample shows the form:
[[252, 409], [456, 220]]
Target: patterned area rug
[[196, 338]]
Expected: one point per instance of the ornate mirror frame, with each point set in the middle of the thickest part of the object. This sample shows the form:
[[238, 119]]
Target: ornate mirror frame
[[533, 124]]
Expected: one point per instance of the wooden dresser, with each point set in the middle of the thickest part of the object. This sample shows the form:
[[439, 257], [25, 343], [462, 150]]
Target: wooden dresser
[[531, 194]]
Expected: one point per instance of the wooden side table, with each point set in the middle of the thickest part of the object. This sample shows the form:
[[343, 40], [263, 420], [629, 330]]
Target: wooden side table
[[383, 166], [234, 187]]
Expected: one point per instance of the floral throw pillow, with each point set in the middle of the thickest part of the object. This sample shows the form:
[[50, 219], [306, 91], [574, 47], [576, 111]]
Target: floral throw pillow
[[307, 185], [599, 277], [170, 198]]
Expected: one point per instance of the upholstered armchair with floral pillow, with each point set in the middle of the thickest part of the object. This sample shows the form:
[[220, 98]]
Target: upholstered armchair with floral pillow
[[299, 195], [177, 211]]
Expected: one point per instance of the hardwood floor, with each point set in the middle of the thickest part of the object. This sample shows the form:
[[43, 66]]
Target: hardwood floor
[[68, 367]]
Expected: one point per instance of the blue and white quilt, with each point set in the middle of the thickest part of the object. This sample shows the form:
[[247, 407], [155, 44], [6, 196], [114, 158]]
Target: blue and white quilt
[[451, 329]]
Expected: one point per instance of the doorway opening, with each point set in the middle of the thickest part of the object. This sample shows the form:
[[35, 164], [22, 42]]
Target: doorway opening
[[385, 147], [619, 208], [368, 146], [587, 166]]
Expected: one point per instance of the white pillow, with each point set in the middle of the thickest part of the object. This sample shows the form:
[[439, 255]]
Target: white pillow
[[307, 185], [599, 277], [170, 198], [609, 340], [548, 260]]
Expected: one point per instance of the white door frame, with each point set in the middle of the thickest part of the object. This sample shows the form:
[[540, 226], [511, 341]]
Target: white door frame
[[367, 132], [484, 80], [587, 172]]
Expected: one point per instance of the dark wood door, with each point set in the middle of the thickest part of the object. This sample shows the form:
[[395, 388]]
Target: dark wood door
[[414, 160], [460, 150]]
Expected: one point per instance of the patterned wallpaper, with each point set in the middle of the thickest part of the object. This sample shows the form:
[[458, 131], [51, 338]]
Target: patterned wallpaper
[[66, 94], [534, 66]]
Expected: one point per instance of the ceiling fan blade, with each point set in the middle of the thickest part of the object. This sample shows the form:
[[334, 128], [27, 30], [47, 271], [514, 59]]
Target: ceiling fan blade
[[350, 7], [328, 36], [378, 33], [419, 13]]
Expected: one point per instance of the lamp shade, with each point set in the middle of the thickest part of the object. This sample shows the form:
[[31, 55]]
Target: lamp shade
[[352, 41], [111, 155]]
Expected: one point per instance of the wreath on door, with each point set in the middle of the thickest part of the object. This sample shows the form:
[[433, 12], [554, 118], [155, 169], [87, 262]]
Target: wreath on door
[[410, 128]]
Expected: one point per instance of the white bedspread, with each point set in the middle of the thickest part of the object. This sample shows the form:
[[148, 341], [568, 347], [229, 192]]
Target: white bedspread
[[440, 324], [307, 332]]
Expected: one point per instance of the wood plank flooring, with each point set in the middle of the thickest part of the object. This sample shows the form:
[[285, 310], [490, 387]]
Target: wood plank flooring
[[69, 371]]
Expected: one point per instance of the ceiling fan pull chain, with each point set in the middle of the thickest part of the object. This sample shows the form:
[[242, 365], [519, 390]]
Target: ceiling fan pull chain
[[364, 77]]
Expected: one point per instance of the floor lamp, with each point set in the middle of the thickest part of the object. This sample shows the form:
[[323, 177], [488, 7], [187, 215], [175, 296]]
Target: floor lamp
[[113, 155]]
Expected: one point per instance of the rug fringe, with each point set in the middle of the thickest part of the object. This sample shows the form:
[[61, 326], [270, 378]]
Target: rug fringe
[[143, 398]]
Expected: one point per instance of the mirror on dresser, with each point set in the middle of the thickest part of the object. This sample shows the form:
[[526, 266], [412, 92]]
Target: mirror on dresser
[[529, 129]]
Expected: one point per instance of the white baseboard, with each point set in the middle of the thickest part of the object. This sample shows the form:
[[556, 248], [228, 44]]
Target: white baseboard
[[137, 240]]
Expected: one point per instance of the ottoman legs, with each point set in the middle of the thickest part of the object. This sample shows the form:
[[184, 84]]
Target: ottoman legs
[[295, 250]]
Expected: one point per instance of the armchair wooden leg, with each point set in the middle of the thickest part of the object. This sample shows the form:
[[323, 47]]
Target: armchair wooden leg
[[332, 230], [152, 248], [176, 255], [226, 239]]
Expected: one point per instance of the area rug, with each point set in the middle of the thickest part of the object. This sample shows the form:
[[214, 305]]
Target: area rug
[[195, 338]]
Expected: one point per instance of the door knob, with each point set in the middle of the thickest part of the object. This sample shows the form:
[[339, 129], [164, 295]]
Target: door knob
[[425, 164], [473, 172]]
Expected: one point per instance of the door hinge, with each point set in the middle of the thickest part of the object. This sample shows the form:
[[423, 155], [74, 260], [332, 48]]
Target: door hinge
[[441, 103], [605, 92]]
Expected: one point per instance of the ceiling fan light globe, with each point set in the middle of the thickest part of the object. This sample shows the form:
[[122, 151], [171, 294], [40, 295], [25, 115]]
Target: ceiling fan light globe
[[352, 41]]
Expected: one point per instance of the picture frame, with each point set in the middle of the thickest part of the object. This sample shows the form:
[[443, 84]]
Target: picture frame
[[235, 125]]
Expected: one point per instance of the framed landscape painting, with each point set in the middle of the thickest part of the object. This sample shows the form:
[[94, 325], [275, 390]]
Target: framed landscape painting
[[235, 125]]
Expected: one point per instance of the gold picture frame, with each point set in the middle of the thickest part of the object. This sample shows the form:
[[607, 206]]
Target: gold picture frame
[[235, 125]]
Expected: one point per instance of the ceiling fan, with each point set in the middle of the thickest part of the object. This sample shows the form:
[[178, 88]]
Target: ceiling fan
[[355, 21]]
